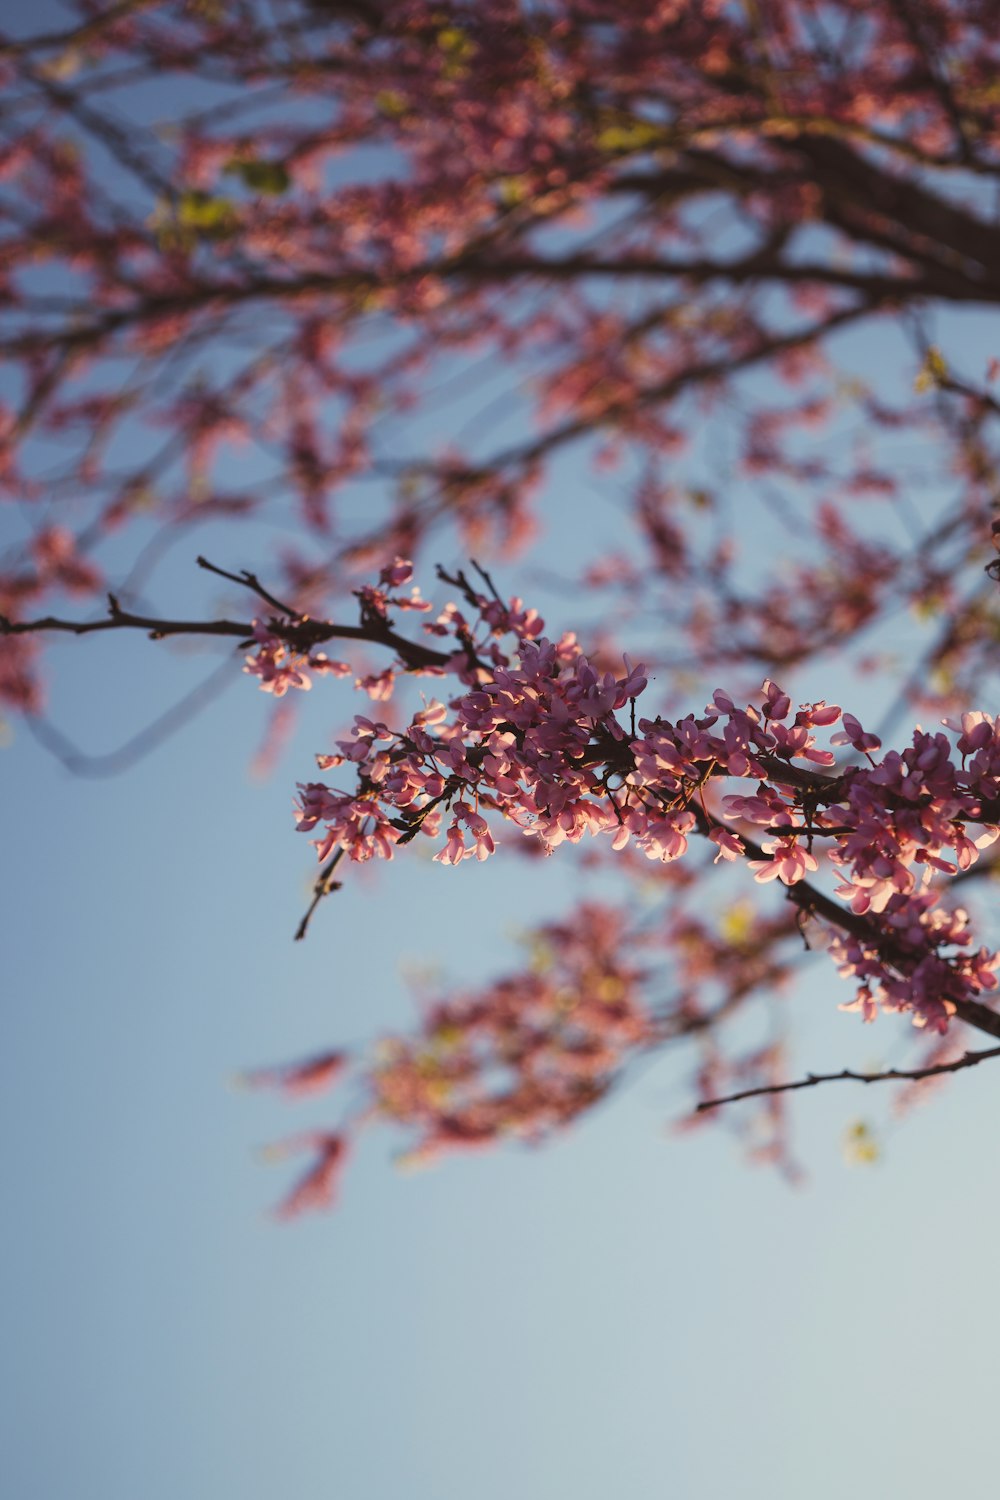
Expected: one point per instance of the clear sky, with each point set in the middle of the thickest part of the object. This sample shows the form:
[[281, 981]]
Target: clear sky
[[623, 1312]]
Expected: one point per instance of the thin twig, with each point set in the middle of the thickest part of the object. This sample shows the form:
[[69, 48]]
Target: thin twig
[[120, 619], [251, 581], [323, 887], [484, 575], [967, 1060]]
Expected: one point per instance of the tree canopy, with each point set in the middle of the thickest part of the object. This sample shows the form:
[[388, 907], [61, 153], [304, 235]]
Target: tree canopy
[[376, 279]]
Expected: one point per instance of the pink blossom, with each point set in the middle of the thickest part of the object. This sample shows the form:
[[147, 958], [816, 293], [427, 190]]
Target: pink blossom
[[314, 1076], [854, 735], [730, 845], [533, 737], [777, 704], [275, 664], [396, 573], [317, 1189], [816, 714], [454, 850], [379, 686], [789, 862]]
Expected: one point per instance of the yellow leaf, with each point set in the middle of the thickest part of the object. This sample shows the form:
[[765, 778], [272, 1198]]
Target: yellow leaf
[[63, 65], [628, 134], [388, 102], [860, 1147], [737, 923], [933, 372], [512, 191], [196, 210], [455, 43]]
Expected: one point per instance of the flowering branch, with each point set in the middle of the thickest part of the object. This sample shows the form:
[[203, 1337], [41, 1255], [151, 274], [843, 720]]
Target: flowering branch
[[534, 737]]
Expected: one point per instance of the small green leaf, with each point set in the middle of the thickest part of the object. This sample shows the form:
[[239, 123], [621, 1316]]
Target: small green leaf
[[268, 177]]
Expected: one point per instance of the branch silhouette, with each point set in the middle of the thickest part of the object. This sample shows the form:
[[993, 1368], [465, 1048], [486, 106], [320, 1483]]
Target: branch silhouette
[[813, 1080]]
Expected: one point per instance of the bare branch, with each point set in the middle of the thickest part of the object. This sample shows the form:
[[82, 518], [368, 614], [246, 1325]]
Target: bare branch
[[967, 1060], [250, 581], [323, 887], [299, 632], [120, 619]]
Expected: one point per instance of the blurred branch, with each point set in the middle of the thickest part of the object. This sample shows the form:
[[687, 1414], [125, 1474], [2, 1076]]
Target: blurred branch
[[141, 744]]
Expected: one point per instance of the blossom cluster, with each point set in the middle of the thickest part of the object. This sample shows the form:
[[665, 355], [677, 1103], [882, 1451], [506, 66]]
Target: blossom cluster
[[525, 1055], [536, 739]]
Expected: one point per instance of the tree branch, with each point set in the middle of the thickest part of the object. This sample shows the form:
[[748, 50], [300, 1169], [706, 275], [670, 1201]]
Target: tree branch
[[252, 582], [323, 887], [967, 1060], [814, 902], [300, 632], [120, 619]]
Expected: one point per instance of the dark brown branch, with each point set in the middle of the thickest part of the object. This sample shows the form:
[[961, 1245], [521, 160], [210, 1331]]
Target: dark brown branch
[[120, 619], [323, 887], [118, 141], [250, 581], [755, 267], [814, 902], [877, 288], [301, 634], [967, 1060], [920, 220]]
